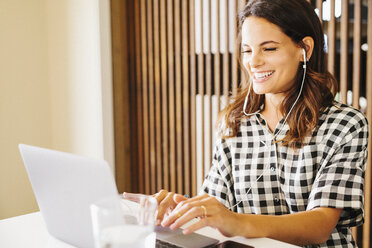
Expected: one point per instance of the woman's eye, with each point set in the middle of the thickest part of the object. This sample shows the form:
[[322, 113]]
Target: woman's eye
[[269, 49], [246, 51]]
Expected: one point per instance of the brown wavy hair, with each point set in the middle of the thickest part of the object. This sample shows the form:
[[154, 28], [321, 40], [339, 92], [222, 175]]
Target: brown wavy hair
[[297, 19]]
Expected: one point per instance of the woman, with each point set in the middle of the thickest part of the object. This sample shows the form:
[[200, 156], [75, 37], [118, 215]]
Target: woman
[[289, 164]]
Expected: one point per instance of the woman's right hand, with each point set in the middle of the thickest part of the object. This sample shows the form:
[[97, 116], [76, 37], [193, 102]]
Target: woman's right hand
[[167, 201]]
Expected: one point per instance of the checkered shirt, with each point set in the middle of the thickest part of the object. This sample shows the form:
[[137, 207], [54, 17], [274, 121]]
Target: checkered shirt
[[328, 171]]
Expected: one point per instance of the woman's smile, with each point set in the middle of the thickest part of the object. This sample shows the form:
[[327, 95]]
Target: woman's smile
[[260, 77], [270, 57]]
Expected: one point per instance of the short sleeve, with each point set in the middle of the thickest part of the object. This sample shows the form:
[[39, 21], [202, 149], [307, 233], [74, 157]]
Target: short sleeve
[[340, 181], [219, 180]]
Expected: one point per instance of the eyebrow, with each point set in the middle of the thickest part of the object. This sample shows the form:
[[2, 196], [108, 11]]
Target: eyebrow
[[263, 43]]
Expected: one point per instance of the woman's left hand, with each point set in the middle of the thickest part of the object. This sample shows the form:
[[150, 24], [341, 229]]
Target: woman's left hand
[[210, 213]]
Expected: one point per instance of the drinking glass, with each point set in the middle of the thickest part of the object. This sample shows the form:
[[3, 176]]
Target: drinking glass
[[119, 223]]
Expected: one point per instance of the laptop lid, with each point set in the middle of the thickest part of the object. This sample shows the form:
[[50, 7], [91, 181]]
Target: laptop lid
[[65, 185]]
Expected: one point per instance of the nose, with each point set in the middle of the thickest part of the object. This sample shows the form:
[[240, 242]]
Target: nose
[[256, 59]]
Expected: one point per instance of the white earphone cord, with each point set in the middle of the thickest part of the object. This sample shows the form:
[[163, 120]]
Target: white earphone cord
[[285, 120]]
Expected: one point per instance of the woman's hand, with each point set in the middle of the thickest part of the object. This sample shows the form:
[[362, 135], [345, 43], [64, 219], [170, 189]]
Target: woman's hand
[[210, 212], [167, 201]]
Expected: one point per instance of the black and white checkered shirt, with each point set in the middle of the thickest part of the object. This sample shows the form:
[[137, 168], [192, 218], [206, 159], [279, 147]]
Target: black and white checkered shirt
[[250, 174]]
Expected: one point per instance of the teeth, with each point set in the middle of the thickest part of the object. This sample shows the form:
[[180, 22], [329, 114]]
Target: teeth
[[262, 75]]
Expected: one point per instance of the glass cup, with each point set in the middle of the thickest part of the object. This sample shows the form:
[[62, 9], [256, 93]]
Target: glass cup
[[119, 223]]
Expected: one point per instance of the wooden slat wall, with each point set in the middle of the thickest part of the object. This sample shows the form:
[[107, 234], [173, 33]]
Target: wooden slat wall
[[332, 39], [319, 6], [139, 93], [235, 54], [157, 82], [226, 60], [368, 181], [151, 94], [340, 31], [217, 58], [146, 143], [208, 86], [201, 84], [178, 83], [193, 96], [357, 51], [121, 84], [170, 75], [344, 50], [164, 95], [186, 100], [172, 133]]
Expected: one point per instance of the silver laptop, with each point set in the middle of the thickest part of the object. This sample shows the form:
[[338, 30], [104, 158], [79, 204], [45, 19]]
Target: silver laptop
[[65, 185]]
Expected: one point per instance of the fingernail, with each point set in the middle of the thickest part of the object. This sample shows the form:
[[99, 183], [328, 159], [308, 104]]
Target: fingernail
[[173, 227], [158, 222], [164, 223]]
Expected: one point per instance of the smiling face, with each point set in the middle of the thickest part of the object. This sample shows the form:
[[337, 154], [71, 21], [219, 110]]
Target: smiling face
[[270, 56]]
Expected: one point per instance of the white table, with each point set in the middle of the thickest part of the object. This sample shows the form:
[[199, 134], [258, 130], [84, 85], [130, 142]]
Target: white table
[[29, 231]]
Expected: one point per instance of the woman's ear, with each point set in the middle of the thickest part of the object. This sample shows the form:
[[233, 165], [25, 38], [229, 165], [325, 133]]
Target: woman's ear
[[309, 46]]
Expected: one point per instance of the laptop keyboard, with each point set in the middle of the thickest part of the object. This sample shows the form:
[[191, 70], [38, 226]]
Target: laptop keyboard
[[176, 239], [164, 244]]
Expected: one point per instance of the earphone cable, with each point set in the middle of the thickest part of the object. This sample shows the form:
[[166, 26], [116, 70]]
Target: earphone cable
[[279, 131]]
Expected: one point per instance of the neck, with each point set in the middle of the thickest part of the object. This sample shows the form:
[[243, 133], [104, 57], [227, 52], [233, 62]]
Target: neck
[[271, 112], [272, 103]]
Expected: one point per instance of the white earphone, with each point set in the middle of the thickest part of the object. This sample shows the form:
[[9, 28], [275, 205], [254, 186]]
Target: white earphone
[[304, 53], [302, 84], [285, 120]]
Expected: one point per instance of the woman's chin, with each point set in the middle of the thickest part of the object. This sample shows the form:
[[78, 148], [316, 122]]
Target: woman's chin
[[260, 90]]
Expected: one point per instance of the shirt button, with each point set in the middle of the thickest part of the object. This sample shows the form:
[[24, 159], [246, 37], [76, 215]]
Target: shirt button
[[272, 169], [276, 199]]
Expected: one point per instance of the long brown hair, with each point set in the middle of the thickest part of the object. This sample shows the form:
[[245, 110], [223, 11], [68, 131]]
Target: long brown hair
[[297, 19]]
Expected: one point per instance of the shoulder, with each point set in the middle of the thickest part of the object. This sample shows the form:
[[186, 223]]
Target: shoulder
[[339, 124], [340, 115]]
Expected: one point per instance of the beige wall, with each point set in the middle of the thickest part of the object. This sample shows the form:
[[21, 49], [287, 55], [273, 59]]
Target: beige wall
[[55, 87], [25, 111]]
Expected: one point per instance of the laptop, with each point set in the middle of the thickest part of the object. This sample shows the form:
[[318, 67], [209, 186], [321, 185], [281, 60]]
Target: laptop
[[65, 185]]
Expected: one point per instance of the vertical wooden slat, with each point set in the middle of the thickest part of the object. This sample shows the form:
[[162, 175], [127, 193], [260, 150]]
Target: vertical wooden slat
[[146, 146], [186, 98], [356, 51], [201, 87], [121, 85], [141, 171], [217, 57], [208, 81], [164, 95], [150, 57], [193, 97], [241, 6], [332, 39], [234, 60], [344, 50], [159, 162], [319, 6], [368, 183], [172, 118], [179, 136], [226, 74]]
